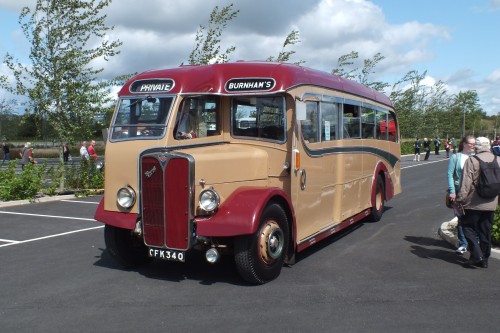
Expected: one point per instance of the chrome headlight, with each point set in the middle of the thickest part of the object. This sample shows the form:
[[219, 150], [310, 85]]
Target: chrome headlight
[[125, 197], [209, 200]]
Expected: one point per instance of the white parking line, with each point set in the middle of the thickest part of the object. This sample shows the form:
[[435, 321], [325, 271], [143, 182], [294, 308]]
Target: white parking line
[[422, 163], [51, 216], [51, 236], [79, 201], [8, 241]]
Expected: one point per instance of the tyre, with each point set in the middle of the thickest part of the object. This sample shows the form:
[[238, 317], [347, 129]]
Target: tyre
[[126, 248], [378, 209], [259, 257]]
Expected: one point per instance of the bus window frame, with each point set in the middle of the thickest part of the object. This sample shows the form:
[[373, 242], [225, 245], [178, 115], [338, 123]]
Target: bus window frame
[[233, 121], [141, 137]]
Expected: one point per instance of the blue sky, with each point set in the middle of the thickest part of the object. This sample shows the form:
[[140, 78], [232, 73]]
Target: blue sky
[[455, 41]]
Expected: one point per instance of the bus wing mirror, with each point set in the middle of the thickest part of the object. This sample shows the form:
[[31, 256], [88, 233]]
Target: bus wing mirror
[[300, 110]]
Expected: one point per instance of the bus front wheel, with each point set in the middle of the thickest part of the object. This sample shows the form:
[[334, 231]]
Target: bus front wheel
[[125, 247], [379, 200], [259, 257]]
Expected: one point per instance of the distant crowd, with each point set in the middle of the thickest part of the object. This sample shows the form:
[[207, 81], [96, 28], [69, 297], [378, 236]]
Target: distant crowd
[[26, 154]]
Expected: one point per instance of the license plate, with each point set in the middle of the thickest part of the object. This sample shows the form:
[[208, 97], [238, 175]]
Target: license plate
[[171, 255]]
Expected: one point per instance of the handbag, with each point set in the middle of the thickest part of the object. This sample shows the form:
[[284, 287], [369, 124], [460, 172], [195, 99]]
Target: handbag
[[447, 200]]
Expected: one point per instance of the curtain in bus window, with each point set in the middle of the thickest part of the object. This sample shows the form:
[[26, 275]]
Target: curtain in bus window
[[309, 126], [391, 127], [381, 119], [329, 121], [367, 123]]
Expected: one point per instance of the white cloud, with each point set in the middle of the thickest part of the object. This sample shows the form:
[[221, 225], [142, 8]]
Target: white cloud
[[160, 33]]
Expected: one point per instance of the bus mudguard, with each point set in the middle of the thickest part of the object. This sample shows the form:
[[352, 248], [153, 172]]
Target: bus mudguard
[[240, 212], [116, 219], [389, 185]]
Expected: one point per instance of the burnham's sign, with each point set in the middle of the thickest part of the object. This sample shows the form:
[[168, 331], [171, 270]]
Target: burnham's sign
[[152, 86], [250, 84]]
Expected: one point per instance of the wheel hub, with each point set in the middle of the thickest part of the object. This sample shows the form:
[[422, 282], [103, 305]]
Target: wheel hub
[[271, 242]]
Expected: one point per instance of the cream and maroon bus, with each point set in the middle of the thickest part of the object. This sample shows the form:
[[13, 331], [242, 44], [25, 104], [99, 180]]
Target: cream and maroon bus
[[258, 160]]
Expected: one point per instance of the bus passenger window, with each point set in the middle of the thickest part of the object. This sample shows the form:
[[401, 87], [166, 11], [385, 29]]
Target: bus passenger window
[[367, 123], [352, 122], [381, 126], [258, 117], [309, 125], [329, 121]]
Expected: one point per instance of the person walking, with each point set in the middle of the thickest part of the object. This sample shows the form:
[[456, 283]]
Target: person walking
[[26, 155], [454, 145], [437, 143], [477, 220], [455, 167], [447, 148], [495, 146], [6, 152], [65, 152], [417, 146], [92, 152], [427, 148], [84, 154]]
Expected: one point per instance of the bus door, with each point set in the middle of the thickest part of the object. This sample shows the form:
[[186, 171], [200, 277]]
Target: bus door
[[314, 177]]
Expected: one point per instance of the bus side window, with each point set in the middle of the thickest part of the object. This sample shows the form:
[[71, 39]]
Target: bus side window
[[381, 125], [352, 122], [367, 123], [309, 126], [391, 127], [329, 121]]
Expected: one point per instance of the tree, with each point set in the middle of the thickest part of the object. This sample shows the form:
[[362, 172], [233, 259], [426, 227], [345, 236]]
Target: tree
[[284, 56], [345, 70], [61, 84], [467, 105], [6, 117], [207, 42]]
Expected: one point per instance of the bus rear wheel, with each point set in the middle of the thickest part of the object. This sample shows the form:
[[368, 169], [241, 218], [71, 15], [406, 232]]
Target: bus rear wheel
[[126, 248], [259, 257], [379, 200]]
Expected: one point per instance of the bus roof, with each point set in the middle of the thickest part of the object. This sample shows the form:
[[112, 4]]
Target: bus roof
[[216, 79]]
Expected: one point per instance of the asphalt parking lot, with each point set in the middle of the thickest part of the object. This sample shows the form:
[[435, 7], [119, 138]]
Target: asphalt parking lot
[[36, 222]]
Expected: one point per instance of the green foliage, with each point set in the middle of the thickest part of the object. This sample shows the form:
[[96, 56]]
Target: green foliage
[[60, 82], [284, 56], [26, 185], [84, 176], [36, 180], [346, 69], [207, 42], [495, 231], [7, 119]]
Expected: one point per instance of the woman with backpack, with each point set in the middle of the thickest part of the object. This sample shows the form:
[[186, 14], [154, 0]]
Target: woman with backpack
[[455, 167], [477, 220]]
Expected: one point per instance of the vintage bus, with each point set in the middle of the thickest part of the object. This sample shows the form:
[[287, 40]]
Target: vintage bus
[[257, 160]]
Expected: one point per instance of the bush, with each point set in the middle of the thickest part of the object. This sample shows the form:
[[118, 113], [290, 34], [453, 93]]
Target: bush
[[495, 231], [26, 185], [35, 180]]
